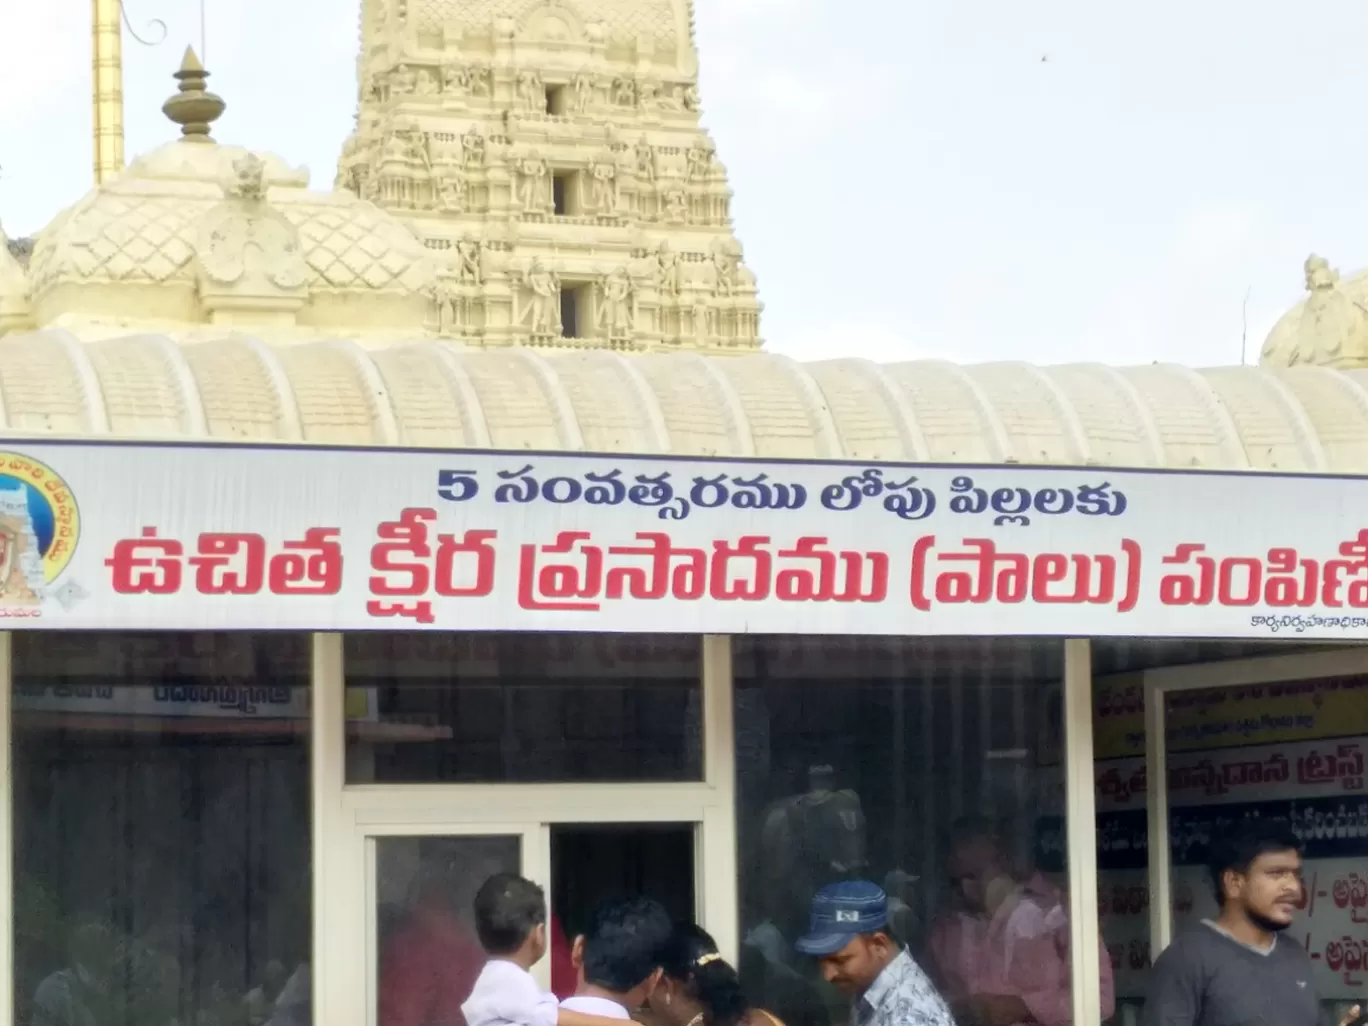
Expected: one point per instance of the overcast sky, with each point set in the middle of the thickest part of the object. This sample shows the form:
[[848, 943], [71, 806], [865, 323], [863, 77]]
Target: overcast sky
[[983, 180]]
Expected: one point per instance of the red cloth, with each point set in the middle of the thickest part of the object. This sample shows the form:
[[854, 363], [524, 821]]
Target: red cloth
[[428, 972], [564, 975]]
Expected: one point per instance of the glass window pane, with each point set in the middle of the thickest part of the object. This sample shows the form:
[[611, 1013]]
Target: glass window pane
[[530, 708], [161, 828], [425, 892], [1234, 753], [929, 767]]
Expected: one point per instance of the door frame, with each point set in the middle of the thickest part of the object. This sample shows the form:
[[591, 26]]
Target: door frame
[[347, 819]]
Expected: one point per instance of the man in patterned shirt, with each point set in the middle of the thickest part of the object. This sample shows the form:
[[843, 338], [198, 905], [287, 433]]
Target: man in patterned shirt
[[860, 956]]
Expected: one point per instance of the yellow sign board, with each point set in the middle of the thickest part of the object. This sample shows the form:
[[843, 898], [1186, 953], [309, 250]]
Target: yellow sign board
[[1256, 714]]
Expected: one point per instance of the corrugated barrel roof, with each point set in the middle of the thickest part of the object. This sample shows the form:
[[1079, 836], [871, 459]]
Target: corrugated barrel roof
[[435, 394]]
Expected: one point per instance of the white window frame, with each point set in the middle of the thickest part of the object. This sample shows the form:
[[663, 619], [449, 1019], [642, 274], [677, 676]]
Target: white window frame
[[1080, 827], [348, 818]]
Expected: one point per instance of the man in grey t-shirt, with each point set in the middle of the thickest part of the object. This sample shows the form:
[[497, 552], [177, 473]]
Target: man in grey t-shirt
[[1242, 969]]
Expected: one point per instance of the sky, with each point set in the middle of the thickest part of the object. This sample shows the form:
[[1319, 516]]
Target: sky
[[979, 180]]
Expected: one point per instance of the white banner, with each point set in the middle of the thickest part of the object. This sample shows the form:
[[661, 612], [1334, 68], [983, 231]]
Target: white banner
[[238, 537]]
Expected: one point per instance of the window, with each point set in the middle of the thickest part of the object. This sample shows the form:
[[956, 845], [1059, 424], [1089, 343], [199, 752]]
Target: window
[[161, 827], [562, 188], [556, 101], [530, 708], [572, 300], [918, 765], [1233, 753]]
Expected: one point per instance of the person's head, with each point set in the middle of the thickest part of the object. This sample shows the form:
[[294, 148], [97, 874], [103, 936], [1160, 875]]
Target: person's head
[[821, 779], [978, 867], [850, 935], [696, 978], [510, 917], [1256, 873], [621, 952]]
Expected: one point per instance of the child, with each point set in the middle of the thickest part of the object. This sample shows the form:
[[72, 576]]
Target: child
[[510, 919]]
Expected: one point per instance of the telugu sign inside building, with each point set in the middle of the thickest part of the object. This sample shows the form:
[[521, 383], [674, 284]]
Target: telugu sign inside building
[[1317, 787], [1229, 717], [1291, 750], [237, 537]]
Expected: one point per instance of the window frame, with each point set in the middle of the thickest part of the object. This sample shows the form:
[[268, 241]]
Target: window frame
[[347, 818]]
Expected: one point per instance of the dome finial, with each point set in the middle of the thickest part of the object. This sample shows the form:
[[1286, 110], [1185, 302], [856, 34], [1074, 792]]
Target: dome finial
[[194, 108]]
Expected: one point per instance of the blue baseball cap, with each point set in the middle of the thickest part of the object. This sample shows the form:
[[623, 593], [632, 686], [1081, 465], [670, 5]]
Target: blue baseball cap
[[840, 913]]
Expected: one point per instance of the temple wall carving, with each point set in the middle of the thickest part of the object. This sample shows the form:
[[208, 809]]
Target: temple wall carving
[[551, 154]]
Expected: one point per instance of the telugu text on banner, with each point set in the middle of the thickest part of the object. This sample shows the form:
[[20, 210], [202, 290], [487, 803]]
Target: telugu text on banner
[[237, 537]]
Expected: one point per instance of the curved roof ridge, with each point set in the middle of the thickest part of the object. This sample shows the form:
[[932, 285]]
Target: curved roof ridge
[[1302, 419]]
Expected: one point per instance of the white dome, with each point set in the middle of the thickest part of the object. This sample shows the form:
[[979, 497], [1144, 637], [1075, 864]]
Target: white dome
[[142, 229]]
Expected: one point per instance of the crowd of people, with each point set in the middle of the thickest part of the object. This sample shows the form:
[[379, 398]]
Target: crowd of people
[[999, 958], [998, 955], [1002, 960], [633, 957]]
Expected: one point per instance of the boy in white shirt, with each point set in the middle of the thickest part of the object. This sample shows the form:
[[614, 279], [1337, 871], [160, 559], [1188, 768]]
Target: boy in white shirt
[[510, 920]]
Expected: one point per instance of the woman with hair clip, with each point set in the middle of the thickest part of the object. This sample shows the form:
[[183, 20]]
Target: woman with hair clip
[[699, 988]]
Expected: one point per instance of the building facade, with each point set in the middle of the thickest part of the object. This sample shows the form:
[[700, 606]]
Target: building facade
[[228, 810]]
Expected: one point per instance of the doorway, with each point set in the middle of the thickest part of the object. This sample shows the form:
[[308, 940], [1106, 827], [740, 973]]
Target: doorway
[[592, 863], [423, 885]]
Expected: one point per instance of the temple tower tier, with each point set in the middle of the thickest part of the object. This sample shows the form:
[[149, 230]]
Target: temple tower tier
[[550, 154]]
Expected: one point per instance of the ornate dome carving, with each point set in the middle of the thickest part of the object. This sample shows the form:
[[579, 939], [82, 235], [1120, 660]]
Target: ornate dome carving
[[142, 228], [134, 248]]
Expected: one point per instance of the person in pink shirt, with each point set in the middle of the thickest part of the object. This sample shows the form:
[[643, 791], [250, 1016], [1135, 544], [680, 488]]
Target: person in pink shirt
[[1002, 957], [430, 966]]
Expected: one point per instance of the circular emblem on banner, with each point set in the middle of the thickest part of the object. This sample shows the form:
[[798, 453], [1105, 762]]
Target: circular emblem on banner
[[39, 528]]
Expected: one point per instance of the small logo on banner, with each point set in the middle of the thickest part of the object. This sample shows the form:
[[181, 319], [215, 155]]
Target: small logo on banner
[[39, 529]]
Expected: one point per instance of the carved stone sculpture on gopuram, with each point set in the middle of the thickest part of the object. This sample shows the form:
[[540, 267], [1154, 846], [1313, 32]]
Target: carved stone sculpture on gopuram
[[1328, 328], [549, 154]]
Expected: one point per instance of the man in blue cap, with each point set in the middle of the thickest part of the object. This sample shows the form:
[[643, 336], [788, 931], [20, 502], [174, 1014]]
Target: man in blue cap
[[860, 956]]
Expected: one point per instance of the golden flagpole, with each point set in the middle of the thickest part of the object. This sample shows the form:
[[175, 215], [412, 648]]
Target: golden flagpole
[[107, 91], [107, 21]]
